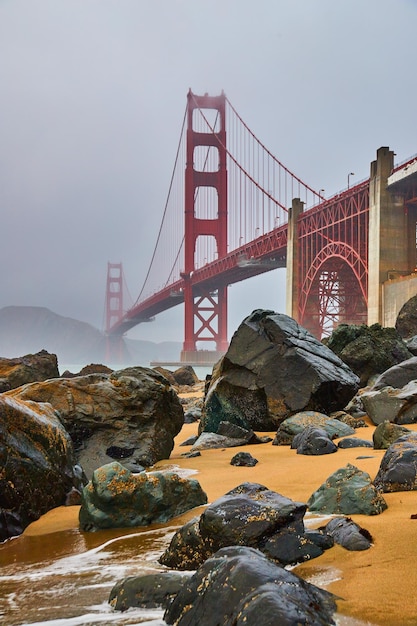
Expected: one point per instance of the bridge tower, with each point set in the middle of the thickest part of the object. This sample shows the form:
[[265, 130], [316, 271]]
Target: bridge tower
[[115, 351], [205, 307]]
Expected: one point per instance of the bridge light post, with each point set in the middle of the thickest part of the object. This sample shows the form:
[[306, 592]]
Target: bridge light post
[[349, 175]]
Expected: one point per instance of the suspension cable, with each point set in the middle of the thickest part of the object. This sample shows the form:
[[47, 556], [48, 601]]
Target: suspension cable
[[165, 209]]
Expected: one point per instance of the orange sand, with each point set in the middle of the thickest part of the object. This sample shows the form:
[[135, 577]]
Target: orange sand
[[376, 586]]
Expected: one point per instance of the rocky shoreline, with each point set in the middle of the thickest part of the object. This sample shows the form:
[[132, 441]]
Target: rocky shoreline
[[304, 416]]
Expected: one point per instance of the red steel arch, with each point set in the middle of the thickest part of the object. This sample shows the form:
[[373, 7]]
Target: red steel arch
[[333, 260]]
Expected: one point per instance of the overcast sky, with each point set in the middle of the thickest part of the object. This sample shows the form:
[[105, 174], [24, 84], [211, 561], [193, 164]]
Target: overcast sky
[[93, 94]]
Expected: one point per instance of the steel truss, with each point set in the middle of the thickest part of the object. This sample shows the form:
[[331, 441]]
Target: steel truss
[[333, 262]]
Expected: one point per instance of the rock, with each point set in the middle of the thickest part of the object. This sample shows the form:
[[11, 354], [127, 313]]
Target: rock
[[166, 374], [348, 534], [192, 415], [397, 376], [313, 441], [386, 433], [147, 591], [117, 498], [296, 424], [274, 368], [406, 323], [243, 459], [36, 461], [190, 441], [239, 586], [393, 405], [354, 442], [132, 414], [354, 421], [185, 375], [234, 431], [411, 344], [368, 350], [348, 491], [27, 369], [249, 515], [208, 441], [398, 468]]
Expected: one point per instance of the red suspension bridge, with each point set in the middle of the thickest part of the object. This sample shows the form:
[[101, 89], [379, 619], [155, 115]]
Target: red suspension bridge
[[236, 211]]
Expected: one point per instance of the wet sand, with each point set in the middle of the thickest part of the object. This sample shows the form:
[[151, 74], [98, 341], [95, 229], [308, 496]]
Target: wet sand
[[377, 586]]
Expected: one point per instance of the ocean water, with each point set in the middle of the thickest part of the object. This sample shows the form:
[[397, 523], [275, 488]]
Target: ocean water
[[65, 578]]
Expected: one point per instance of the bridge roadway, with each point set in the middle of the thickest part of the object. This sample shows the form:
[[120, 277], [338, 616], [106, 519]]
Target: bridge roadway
[[266, 253]]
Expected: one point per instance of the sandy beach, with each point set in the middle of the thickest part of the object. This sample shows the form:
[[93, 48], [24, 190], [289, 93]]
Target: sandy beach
[[376, 586]]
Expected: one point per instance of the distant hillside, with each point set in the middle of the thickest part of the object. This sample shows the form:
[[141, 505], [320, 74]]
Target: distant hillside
[[26, 329]]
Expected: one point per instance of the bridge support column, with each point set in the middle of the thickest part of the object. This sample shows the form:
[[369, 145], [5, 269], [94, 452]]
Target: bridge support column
[[389, 239], [293, 273]]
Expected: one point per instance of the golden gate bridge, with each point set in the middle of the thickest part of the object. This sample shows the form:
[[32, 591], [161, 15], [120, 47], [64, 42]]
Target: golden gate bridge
[[234, 211]]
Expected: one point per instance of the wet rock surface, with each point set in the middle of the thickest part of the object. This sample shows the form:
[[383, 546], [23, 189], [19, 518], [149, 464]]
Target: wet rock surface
[[250, 515], [368, 350], [117, 498], [274, 368], [239, 585], [37, 465], [26, 369], [348, 491], [133, 413], [398, 469]]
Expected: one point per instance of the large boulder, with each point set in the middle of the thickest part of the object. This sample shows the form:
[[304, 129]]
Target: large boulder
[[131, 415], [348, 491], [296, 424], [37, 469], [368, 350], [398, 375], [239, 586], [273, 369], [406, 323], [398, 468], [392, 405], [117, 498], [27, 369], [250, 515]]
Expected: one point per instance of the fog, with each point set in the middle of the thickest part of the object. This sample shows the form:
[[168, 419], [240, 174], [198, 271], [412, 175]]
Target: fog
[[93, 94]]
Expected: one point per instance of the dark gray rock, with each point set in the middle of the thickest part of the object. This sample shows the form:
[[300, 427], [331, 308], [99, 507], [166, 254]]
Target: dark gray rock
[[207, 441], [398, 469], [37, 464], [368, 350], [386, 433], [347, 491], [313, 441], [398, 376], [134, 411], [406, 322], [249, 515], [354, 442], [117, 498], [273, 369], [294, 425], [190, 441], [239, 586], [147, 591], [237, 432], [392, 405], [348, 534], [243, 459], [411, 344]]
